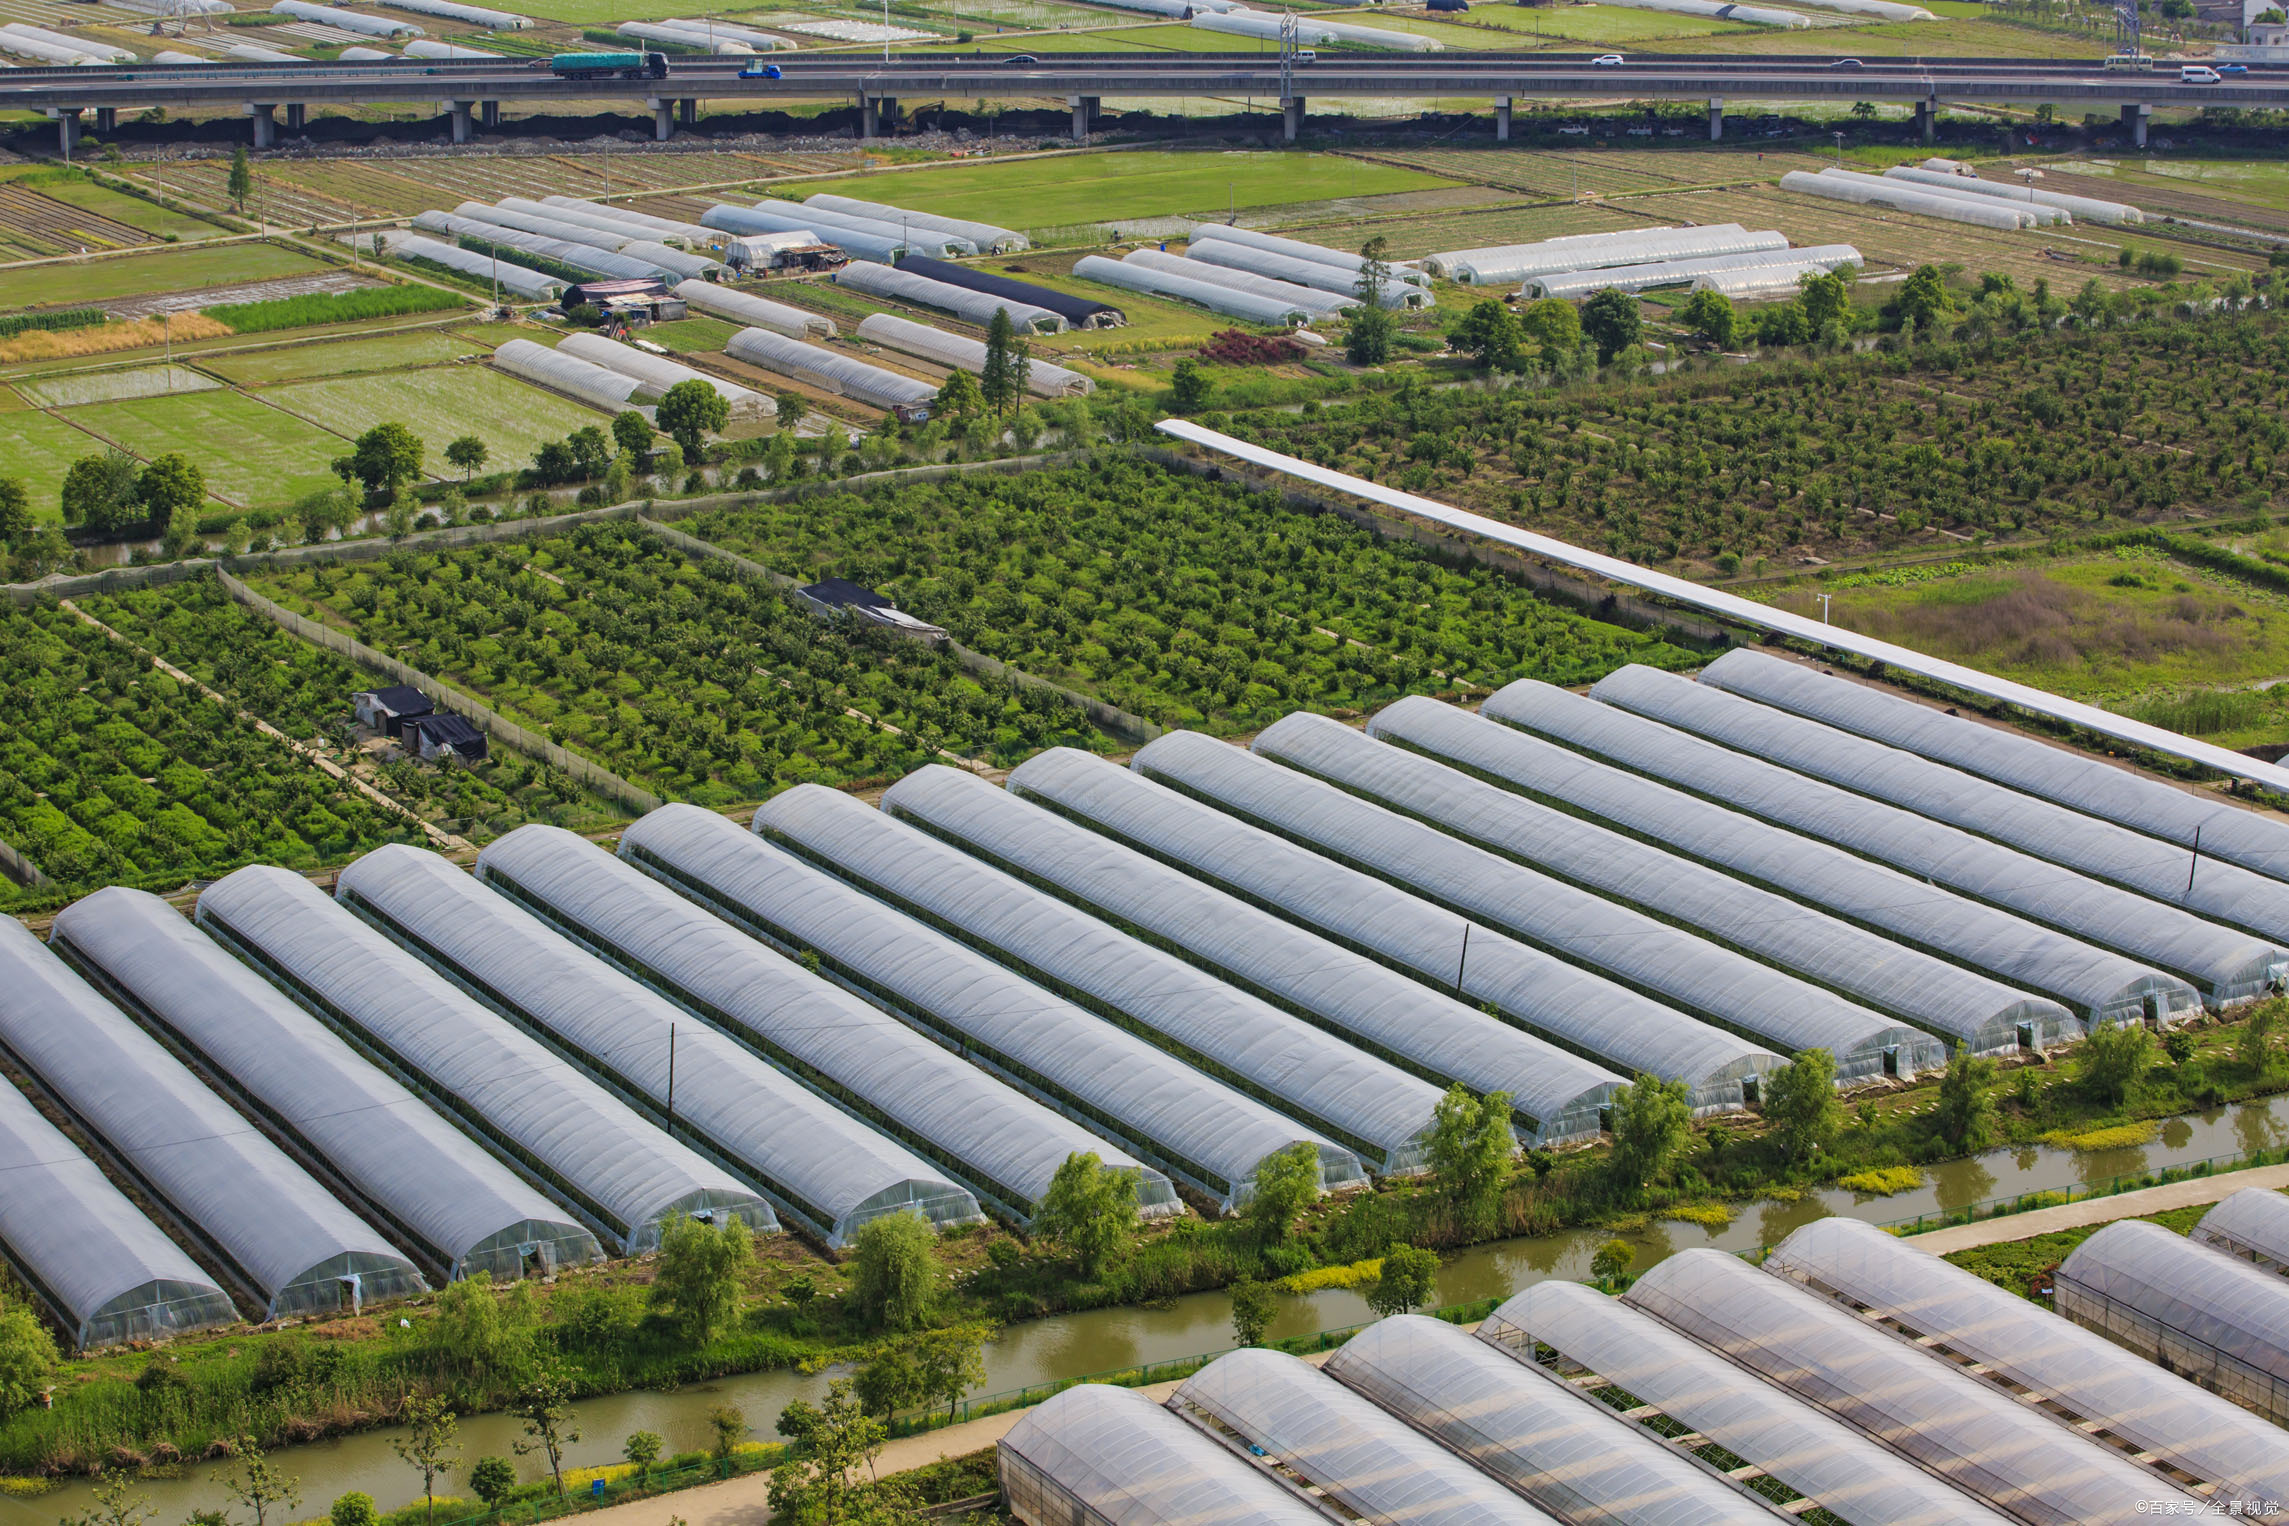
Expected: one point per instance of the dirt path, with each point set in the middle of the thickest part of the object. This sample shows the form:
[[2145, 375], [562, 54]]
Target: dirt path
[[2098, 1210]]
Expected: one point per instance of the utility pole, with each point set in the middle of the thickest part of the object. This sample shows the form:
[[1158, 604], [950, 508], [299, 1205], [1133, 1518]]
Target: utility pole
[[1824, 598]]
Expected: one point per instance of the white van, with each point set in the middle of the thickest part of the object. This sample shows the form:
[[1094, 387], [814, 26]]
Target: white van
[[2199, 74]]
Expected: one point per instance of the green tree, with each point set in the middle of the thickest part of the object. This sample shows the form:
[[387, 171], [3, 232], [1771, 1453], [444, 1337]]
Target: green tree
[[1188, 387], [894, 1271], [354, 1509], [1089, 1212], [689, 412], [1554, 326], [1408, 1281], [386, 457], [1367, 328], [1490, 333], [15, 512], [2113, 1062], [241, 182], [491, 1479], [544, 1406], [114, 1505], [793, 407], [1613, 322], [430, 1445], [701, 1272], [2256, 1047], [728, 1424], [931, 1368], [479, 1335], [169, 485], [836, 1440], [1801, 1105], [1469, 1149], [1611, 1261], [1286, 1182], [1965, 1114], [1827, 299], [398, 519], [1652, 1119], [1001, 381], [642, 1448], [1863, 111], [99, 492], [632, 432], [1253, 1306], [328, 511], [469, 452], [1924, 299], [27, 1359], [255, 1483], [959, 398], [1709, 316]]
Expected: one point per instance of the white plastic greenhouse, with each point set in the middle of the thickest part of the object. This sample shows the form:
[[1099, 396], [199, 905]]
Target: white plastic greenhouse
[[2085, 1378], [1586, 1013], [1310, 30], [1900, 946], [1594, 251], [1875, 190], [1782, 280], [454, 10], [1393, 293], [442, 1195], [2088, 208], [1573, 284], [1556, 1096], [659, 374], [756, 312], [687, 34], [345, 20], [2252, 1224], [346, 56], [1582, 1335], [2040, 214], [1101, 1456], [2225, 964], [549, 226], [102, 1270], [56, 48], [597, 214], [970, 306], [1111, 1082], [585, 258], [926, 241], [1374, 1113], [726, 31], [1884, 10], [424, 47], [1561, 1449], [887, 247], [959, 351], [624, 1176], [514, 278], [575, 378], [2223, 892], [1002, 1145], [2099, 788], [2200, 1312], [1721, 10], [1311, 299], [245, 1199], [1296, 249], [1217, 299], [1989, 1443], [989, 237], [255, 53], [828, 370], [1330, 1439], [820, 1167]]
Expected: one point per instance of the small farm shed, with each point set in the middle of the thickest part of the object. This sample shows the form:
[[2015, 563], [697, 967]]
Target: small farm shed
[[387, 710]]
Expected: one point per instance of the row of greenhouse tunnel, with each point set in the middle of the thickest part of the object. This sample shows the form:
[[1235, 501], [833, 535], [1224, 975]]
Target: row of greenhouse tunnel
[[296, 1102]]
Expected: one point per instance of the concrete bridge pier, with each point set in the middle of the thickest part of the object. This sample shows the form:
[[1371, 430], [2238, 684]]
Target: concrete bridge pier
[[1291, 117], [488, 114], [1502, 119], [687, 112], [296, 115], [1084, 115], [1716, 119], [265, 125], [458, 113], [66, 119], [106, 119], [1927, 120], [875, 114], [2134, 119], [663, 119]]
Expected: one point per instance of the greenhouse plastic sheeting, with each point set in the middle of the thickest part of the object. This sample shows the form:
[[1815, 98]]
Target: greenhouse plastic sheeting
[[346, 20], [1108, 1081], [1885, 10], [2200, 1312], [1310, 30], [2088, 208], [1875, 190], [1555, 1096], [659, 373], [719, 32], [2252, 1224], [514, 279], [569, 374], [969, 306], [453, 10], [1078, 312], [302, 1251], [409, 1169], [1762, 280], [1586, 1013], [582, 257], [1572, 284], [632, 223], [1918, 977], [817, 1164], [2226, 963], [686, 34], [1230, 302], [2041, 214], [1002, 1145], [1560, 1448], [756, 312], [1812, 1452], [104, 1271], [922, 241], [1100, 1456], [1311, 299], [1979, 1438], [988, 237], [1593, 251], [1271, 243], [1792, 1015], [961, 352], [623, 1174], [2023, 1348], [829, 370], [1722, 10], [423, 47], [2102, 789], [545, 227], [1392, 293], [1370, 1109], [887, 247], [1331, 1439], [1895, 777]]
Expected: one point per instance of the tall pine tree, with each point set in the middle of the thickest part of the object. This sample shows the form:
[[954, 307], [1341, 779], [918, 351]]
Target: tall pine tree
[[1002, 380]]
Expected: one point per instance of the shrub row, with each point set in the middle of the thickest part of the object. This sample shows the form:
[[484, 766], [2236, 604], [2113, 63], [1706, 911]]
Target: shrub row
[[333, 307]]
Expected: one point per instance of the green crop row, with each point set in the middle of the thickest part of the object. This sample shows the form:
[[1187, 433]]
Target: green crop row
[[333, 307], [69, 318]]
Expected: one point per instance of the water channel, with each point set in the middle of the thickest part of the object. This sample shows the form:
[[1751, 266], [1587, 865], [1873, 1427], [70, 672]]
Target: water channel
[[1107, 1340]]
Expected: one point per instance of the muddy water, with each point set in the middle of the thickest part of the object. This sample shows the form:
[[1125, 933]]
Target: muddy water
[[1109, 1339]]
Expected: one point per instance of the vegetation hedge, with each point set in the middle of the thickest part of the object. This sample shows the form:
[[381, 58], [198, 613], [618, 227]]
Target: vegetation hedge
[[333, 307], [69, 318]]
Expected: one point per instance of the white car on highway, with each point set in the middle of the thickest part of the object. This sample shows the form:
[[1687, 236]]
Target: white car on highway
[[1608, 61]]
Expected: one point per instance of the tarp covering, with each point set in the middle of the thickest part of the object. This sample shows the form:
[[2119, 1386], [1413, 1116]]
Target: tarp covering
[[1078, 312], [969, 306]]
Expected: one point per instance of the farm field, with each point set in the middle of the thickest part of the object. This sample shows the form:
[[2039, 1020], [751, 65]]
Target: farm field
[[1164, 595], [67, 389], [39, 448], [253, 456], [134, 211], [1413, 237], [338, 357], [2254, 191], [1174, 37], [1949, 36], [1595, 24], [677, 674], [162, 270], [513, 420], [1564, 170]]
